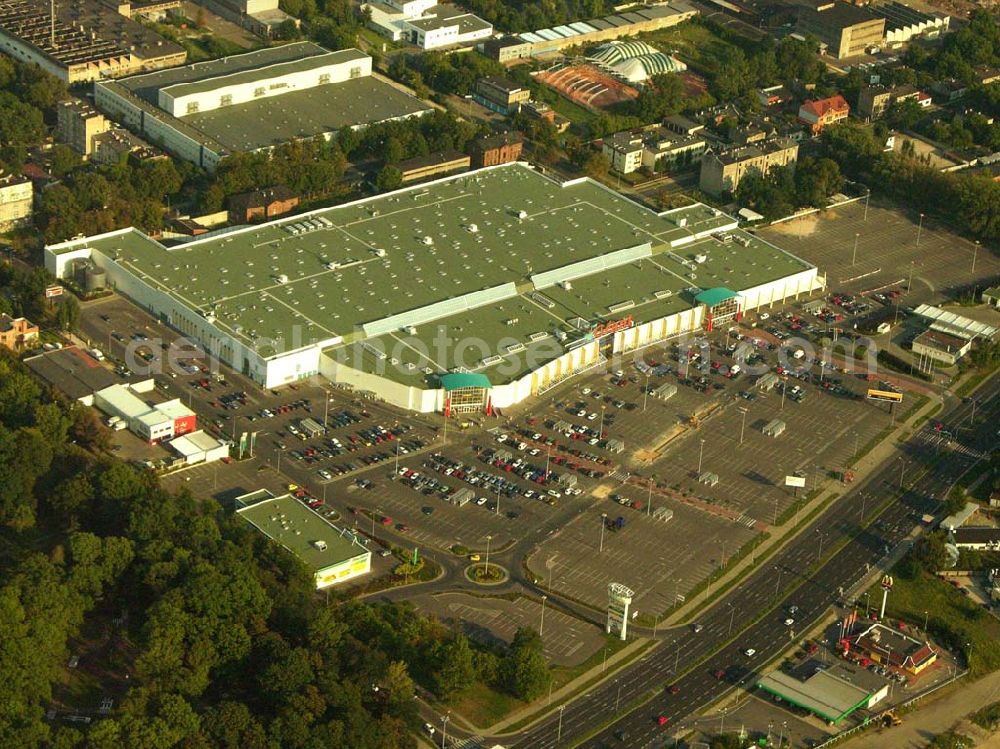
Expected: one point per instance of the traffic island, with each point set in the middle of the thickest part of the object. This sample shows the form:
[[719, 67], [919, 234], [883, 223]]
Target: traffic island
[[482, 574]]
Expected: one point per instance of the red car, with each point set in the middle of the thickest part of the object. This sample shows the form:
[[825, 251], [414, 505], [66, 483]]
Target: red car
[[719, 674], [663, 720], [674, 689]]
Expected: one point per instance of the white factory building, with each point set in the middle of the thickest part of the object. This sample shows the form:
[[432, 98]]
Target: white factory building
[[254, 101], [426, 24]]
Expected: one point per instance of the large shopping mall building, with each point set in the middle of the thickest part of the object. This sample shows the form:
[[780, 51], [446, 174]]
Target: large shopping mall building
[[458, 295]]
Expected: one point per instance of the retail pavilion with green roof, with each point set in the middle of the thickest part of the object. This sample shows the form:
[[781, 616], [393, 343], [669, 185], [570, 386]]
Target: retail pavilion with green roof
[[503, 273]]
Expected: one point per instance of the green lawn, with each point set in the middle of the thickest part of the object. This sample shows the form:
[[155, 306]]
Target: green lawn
[[694, 43], [483, 706], [954, 620]]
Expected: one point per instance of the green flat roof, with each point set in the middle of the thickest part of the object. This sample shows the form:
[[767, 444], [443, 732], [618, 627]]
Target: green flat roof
[[457, 380], [295, 526], [828, 696], [431, 244]]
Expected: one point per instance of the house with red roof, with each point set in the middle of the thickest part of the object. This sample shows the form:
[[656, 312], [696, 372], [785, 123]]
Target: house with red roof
[[821, 113]]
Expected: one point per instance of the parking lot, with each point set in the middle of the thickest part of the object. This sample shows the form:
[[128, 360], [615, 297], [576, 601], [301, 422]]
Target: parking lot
[[887, 251], [659, 560], [551, 463], [567, 640]]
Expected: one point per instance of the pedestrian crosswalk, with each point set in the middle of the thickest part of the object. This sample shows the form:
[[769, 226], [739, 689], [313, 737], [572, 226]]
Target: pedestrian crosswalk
[[619, 475], [746, 520], [473, 742]]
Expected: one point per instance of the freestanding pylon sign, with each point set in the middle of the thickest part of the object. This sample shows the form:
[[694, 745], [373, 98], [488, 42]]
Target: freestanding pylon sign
[[886, 587], [619, 600]]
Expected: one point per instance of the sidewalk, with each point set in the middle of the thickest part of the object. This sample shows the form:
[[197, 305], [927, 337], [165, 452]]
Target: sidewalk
[[937, 716], [780, 535]]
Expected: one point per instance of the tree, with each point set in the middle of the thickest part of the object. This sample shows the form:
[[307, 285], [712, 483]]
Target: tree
[[390, 178], [596, 165], [64, 160], [68, 312], [523, 670], [816, 180], [455, 671]]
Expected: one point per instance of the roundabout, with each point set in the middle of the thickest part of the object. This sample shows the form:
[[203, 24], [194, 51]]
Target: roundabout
[[486, 574]]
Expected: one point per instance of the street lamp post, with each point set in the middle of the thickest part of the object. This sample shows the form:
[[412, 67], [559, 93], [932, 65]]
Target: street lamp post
[[743, 426], [975, 252], [701, 452], [488, 539], [867, 197], [559, 733], [444, 728], [854, 257], [377, 511], [396, 471], [601, 430], [732, 616], [645, 392], [920, 227], [541, 623], [925, 622], [604, 519], [618, 699], [498, 498]]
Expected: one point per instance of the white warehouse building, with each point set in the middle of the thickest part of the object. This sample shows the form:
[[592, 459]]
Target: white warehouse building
[[254, 101], [474, 291]]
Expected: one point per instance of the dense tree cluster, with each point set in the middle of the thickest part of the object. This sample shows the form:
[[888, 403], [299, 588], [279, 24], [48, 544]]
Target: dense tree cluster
[[960, 52], [445, 73], [967, 201], [223, 642], [28, 97], [781, 191], [524, 15]]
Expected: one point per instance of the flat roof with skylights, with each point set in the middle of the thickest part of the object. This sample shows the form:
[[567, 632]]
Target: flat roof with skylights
[[504, 254]]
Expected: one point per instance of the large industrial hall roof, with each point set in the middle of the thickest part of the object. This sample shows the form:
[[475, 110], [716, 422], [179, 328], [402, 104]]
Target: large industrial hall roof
[[502, 253]]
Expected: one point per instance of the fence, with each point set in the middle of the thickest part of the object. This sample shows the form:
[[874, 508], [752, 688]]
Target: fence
[[877, 719]]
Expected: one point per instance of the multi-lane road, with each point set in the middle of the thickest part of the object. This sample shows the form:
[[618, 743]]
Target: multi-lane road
[[737, 619]]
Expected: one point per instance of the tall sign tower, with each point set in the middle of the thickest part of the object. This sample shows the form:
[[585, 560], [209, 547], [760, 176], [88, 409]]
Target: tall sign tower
[[619, 600]]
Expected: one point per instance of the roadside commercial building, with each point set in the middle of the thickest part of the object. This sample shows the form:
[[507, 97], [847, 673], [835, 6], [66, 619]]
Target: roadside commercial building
[[433, 165], [501, 95], [257, 205], [334, 555], [16, 200], [892, 648], [493, 150], [818, 114], [254, 101], [154, 423], [979, 539], [79, 124], [383, 294], [89, 40], [722, 171], [846, 30], [198, 447], [822, 692], [17, 333], [942, 347]]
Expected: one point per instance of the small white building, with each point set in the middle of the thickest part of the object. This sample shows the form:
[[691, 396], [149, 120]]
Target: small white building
[[154, 423], [198, 447]]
